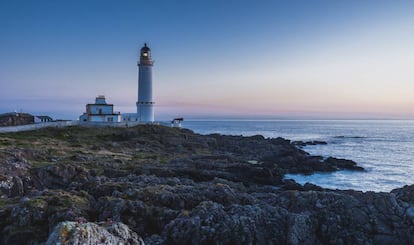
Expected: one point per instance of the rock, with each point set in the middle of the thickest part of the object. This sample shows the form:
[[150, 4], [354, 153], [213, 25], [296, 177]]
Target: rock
[[172, 186], [211, 223], [305, 143], [301, 230], [341, 164], [409, 214], [93, 233], [405, 194], [349, 217], [290, 184], [17, 188], [61, 175], [208, 168], [155, 240], [15, 176]]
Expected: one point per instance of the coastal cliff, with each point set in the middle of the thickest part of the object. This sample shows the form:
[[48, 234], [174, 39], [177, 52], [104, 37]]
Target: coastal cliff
[[158, 185]]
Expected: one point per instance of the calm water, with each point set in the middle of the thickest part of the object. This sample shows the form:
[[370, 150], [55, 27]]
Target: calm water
[[384, 148]]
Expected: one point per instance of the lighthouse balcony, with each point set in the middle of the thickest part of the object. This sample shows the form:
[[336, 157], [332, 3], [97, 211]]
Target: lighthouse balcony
[[145, 63]]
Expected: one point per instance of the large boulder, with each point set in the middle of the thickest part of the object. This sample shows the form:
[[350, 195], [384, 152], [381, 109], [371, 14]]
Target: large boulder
[[92, 233], [212, 223]]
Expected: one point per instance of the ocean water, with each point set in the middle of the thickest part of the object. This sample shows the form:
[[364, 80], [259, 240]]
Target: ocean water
[[385, 148]]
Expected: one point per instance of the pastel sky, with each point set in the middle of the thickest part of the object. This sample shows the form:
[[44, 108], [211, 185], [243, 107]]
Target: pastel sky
[[213, 59]]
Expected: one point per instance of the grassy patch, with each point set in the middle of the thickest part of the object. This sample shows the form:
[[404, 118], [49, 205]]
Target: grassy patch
[[41, 164], [8, 201]]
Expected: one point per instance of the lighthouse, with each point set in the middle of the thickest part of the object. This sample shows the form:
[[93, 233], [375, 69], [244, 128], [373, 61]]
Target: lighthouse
[[145, 104]]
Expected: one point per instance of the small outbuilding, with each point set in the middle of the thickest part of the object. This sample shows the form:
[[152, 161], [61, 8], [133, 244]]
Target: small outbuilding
[[42, 119], [176, 122]]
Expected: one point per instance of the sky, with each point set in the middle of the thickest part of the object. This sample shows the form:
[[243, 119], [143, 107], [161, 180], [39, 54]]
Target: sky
[[257, 59]]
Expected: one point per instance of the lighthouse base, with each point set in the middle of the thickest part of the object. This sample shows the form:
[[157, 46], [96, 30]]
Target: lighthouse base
[[145, 111]]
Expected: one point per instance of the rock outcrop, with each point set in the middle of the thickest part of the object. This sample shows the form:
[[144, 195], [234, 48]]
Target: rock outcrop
[[15, 119], [305, 143], [171, 186]]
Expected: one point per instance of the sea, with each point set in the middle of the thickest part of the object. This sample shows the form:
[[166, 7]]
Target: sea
[[385, 148]]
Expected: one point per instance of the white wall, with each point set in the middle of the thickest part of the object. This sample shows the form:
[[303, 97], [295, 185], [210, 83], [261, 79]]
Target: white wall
[[105, 118], [37, 126], [105, 109]]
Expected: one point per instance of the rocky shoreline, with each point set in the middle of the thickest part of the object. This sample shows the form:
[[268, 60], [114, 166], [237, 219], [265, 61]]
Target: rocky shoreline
[[158, 185]]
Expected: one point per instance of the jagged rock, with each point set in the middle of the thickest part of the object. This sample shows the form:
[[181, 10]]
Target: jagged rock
[[155, 240], [172, 186], [14, 172], [211, 223], [14, 186], [406, 193], [208, 168], [301, 229], [305, 143], [342, 164], [93, 233], [351, 217], [61, 175]]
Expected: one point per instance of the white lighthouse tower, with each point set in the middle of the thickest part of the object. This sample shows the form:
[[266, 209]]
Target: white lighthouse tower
[[145, 104]]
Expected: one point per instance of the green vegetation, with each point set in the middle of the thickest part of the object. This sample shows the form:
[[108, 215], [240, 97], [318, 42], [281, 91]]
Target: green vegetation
[[100, 150], [7, 201]]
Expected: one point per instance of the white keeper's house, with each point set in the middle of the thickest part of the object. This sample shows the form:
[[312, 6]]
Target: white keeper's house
[[100, 112]]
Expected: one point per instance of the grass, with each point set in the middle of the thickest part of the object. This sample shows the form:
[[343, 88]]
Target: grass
[[38, 203], [8, 201], [102, 148], [6, 142], [42, 164]]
